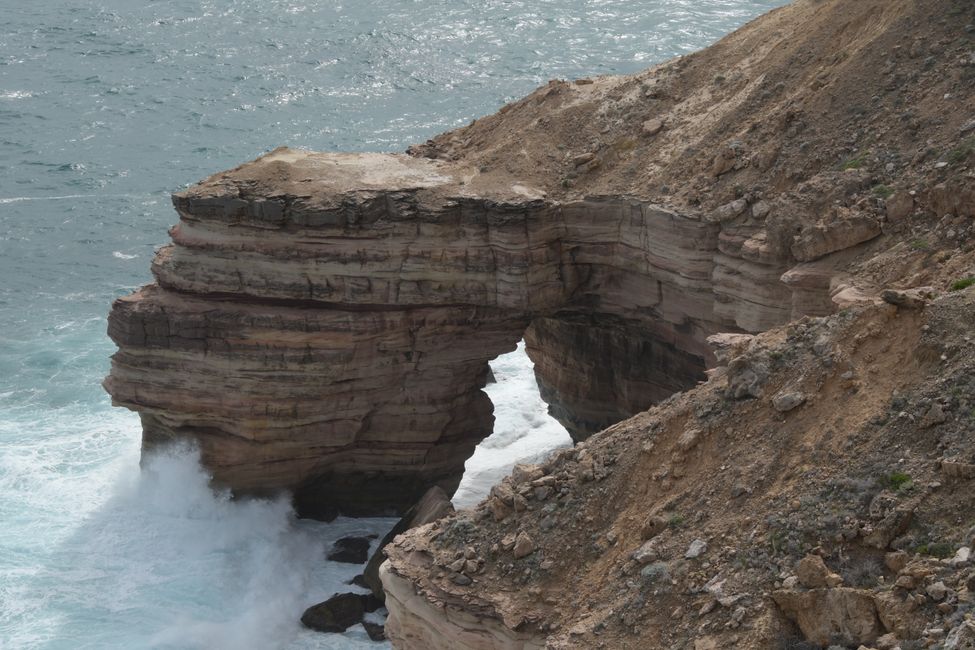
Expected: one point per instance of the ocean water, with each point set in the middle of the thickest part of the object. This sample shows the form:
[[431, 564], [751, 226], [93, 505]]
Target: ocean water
[[108, 106]]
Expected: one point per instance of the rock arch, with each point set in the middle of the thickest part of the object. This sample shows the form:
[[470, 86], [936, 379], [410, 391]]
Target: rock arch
[[323, 322]]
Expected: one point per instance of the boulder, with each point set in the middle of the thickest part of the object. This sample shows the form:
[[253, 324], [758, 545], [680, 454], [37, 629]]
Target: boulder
[[728, 211], [899, 614], [961, 637], [696, 549], [653, 126], [842, 615], [812, 572], [915, 298], [822, 239], [524, 546], [336, 614], [899, 207], [350, 550], [787, 400]]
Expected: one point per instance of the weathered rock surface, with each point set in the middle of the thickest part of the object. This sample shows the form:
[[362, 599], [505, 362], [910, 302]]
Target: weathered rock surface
[[827, 616], [444, 622], [433, 505], [323, 322]]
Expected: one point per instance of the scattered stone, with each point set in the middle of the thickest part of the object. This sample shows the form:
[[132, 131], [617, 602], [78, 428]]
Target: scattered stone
[[461, 580], [900, 206], [761, 210], [834, 580], [746, 379], [886, 642], [350, 550], [896, 560], [697, 548], [524, 546], [788, 400], [915, 298], [961, 637], [724, 161], [934, 416], [728, 211], [583, 158], [542, 493], [522, 473], [937, 591], [647, 553], [336, 614], [962, 556], [653, 126], [812, 572], [498, 510], [688, 439]]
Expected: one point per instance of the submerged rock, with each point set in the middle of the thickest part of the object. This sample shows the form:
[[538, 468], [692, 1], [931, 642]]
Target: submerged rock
[[350, 550]]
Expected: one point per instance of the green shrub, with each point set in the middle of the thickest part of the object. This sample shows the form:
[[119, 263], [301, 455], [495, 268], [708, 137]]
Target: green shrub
[[961, 152], [882, 191], [964, 283], [856, 162], [898, 481], [940, 550]]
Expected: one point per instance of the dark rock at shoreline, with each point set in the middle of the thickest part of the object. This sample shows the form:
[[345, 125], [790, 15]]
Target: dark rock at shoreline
[[336, 614], [432, 506], [375, 631], [351, 550]]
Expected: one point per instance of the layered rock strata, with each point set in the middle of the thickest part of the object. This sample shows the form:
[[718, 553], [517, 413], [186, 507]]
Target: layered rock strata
[[323, 322]]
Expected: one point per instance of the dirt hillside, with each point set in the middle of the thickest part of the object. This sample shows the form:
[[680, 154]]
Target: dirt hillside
[[818, 490]]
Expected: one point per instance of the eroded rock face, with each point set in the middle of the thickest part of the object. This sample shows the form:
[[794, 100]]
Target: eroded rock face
[[323, 322], [415, 622]]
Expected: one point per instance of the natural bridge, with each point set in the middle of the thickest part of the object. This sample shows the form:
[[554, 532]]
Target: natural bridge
[[323, 322]]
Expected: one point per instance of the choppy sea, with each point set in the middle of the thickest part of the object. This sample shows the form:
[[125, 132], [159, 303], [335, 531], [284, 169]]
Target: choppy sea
[[108, 106]]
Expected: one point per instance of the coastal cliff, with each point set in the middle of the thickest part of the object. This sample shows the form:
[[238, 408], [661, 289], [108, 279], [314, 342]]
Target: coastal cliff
[[349, 304], [322, 323]]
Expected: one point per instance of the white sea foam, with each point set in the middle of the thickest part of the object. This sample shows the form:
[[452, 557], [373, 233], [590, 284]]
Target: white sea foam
[[157, 559], [523, 429]]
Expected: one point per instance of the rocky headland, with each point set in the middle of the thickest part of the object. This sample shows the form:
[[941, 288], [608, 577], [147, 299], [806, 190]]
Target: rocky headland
[[768, 244]]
